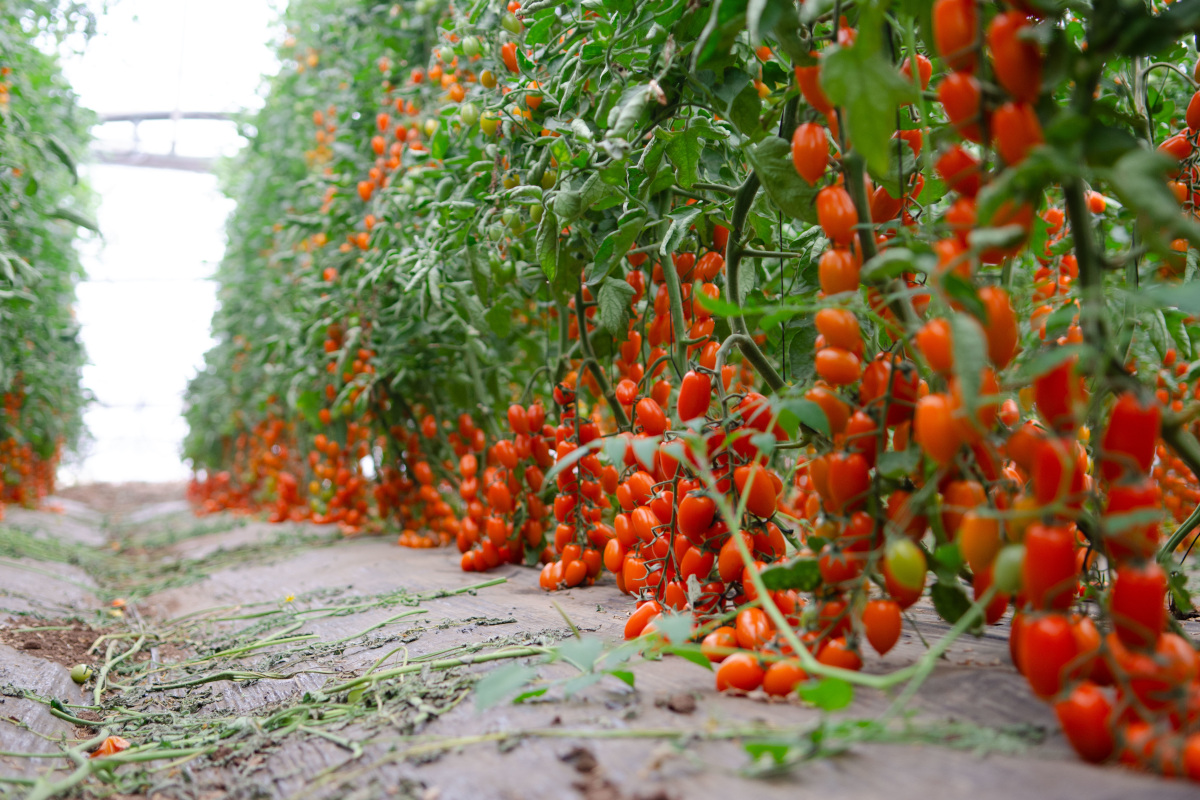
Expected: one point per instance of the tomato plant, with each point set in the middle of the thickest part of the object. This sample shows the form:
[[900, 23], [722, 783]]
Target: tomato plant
[[731, 302], [43, 133]]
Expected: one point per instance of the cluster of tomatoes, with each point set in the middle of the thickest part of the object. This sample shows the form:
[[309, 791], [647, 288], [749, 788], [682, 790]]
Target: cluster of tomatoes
[[506, 516], [26, 478]]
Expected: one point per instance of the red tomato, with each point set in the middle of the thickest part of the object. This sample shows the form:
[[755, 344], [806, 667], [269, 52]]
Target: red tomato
[[753, 628], [1049, 571], [1086, 719], [1129, 439], [959, 170], [810, 151], [1016, 62], [881, 619], [740, 671], [955, 26], [1048, 647], [1138, 602], [695, 395], [959, 94], [1017, 131], [836, 214], [754, 483]]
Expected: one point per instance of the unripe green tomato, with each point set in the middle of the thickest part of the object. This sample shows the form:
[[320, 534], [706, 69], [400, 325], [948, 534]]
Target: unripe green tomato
[[511, 24], [509, 217], [468, 114], [511, 180], [549, 178], [1006, 572], [495, 232], [80, 673], [446, 54], [905, 562], [431, 126], [503, 272], [471, 46], [535, 213], [489, 122]]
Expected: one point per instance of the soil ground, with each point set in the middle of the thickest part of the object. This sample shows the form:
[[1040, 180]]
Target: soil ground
[[248, 660]]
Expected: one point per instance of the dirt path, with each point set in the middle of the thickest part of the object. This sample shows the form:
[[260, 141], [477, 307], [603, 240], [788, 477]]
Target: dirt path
[[247, 660]]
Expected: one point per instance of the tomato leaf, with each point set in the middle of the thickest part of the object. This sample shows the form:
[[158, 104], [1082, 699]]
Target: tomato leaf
[[1139, 179], [681, 222], [772, 162], [797, 412], [546, 244], [800, 351], [970, 357], [627, 677], [802, 574], [962, 291], [689, 652], [629, 109], [897, 464], [949, 600], [501, 683], [827, 694], [614, 311], [863, 81]]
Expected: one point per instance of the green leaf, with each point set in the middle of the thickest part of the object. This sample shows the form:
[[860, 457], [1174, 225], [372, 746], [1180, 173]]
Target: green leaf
[[689, 652], [75, 217], [309, 404], [772, 162], [896, 464], [568, 204], [628, 110], [828, 694], [546, 244], [800, 573], [581, 682], [796, 413], [615, 311], [800, 353], [1139, 179], [948, 560], [962, 291], [675, 627], [762, 15], [60, 152], [970, 357], [683, 148], [627, 677], [1185, 297], [616, 244], [949, 600], [681, 222], [499, 318], [863, 81], [582, 653], [725, 22], [745, 110], [501, 683], [778, 752], [1059, 320], [889, 263]]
